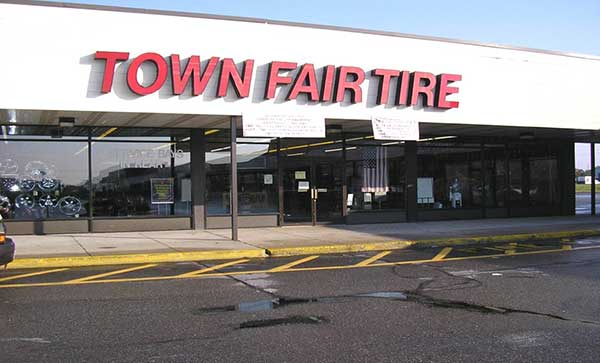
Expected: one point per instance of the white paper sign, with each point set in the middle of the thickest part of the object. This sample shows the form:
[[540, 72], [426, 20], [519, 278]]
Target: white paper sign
[[386, 128], [268, 178], [303, 186], [281, 125], [425, 191], [299, 175]]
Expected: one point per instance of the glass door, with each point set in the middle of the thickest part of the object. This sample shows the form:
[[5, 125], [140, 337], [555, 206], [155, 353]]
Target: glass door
[[297, 191], [328, 178], [312, 181]]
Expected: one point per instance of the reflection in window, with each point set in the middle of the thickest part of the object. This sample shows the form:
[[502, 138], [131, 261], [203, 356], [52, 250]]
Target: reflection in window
[[449, 176], [44, 179], [140, 179], [257, 178], [217, 178], [375, 177], [495, 175], [533, 176]]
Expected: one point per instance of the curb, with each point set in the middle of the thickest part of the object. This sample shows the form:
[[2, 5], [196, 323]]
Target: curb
[[137, 258], [131, 259]]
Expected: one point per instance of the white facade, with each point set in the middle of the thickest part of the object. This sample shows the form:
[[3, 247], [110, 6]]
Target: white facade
[[48, 64]]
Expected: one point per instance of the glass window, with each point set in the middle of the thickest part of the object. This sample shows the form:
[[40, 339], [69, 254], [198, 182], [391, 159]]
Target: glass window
[[257, 178], [44, 179], [375, 176], [533, 176], [449, 176], [217, 178], [495, 175], [140, 179]]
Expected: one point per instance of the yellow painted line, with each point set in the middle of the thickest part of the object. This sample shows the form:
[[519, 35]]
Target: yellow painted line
[[234, 273], [443, 253], [512, 248], [292, 264], [209, 269], [370, 260], [340, 248], [111, 273], [567, 247], [31, 274], [137, 258]]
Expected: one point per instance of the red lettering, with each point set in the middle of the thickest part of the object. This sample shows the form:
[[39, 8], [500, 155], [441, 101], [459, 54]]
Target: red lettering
[[344, 84], [384, 86], [443, 90], [161, 73], [230, 71], [327, 84], [306, 82], [109, 68], [192, 70], [424, 89], [274, 79], [403, 87]]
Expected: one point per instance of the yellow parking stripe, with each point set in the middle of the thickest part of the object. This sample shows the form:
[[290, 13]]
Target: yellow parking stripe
[[111, 273], [32, 274], [512, 248], [370, 260], [288, 269], [443, 253], [292, 264], [212, 268]]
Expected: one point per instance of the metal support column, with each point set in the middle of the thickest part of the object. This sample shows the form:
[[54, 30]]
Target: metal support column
[[198, 178], [233, 201], [280, 194], [593, 170], [410, 153]]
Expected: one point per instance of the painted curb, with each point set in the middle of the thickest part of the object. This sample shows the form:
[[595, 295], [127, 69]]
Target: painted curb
[[137, 258], [131, 259], [340, 248]]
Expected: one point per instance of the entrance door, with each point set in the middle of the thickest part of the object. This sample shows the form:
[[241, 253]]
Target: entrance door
[[312, 185]]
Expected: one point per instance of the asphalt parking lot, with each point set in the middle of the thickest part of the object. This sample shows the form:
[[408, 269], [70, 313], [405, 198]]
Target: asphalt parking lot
[[199, 269], [504, 302]]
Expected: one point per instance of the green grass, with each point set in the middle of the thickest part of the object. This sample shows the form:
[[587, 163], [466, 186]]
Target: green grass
[[585, 188]]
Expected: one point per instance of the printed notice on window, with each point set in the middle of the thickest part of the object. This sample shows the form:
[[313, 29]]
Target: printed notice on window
[[162, 191], [281, 125], [386, 128]]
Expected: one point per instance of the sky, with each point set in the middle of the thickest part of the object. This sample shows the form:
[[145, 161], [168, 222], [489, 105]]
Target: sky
[[561, 25]]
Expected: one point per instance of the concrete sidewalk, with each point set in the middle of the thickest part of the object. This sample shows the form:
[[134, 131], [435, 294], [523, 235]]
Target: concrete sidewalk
[[255, 242]]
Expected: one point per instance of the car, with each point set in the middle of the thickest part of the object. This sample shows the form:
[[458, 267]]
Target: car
[[7, 246]]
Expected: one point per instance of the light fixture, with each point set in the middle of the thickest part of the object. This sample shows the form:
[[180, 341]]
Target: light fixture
[[437, 138], [526, 135], [66, 121], [333, 129]]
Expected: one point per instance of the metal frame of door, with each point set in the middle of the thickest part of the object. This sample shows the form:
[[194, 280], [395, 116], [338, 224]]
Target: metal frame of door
[[314, 195]]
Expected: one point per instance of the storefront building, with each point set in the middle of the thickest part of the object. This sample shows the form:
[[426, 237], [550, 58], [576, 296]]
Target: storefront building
[[123, 120]]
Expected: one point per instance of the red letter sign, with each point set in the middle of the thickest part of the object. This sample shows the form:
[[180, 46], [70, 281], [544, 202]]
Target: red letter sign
[[426, 89], [229, 71], [306, 82], [444, 90], [384, 87], [161, 73], [354, 86], [109, 68], [273, 77], [193, 69]]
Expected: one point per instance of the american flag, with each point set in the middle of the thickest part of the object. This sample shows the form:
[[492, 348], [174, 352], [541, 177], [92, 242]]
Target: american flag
[[375, 170]]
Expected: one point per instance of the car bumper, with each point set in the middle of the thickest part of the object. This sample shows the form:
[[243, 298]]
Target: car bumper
[[7, 252]]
